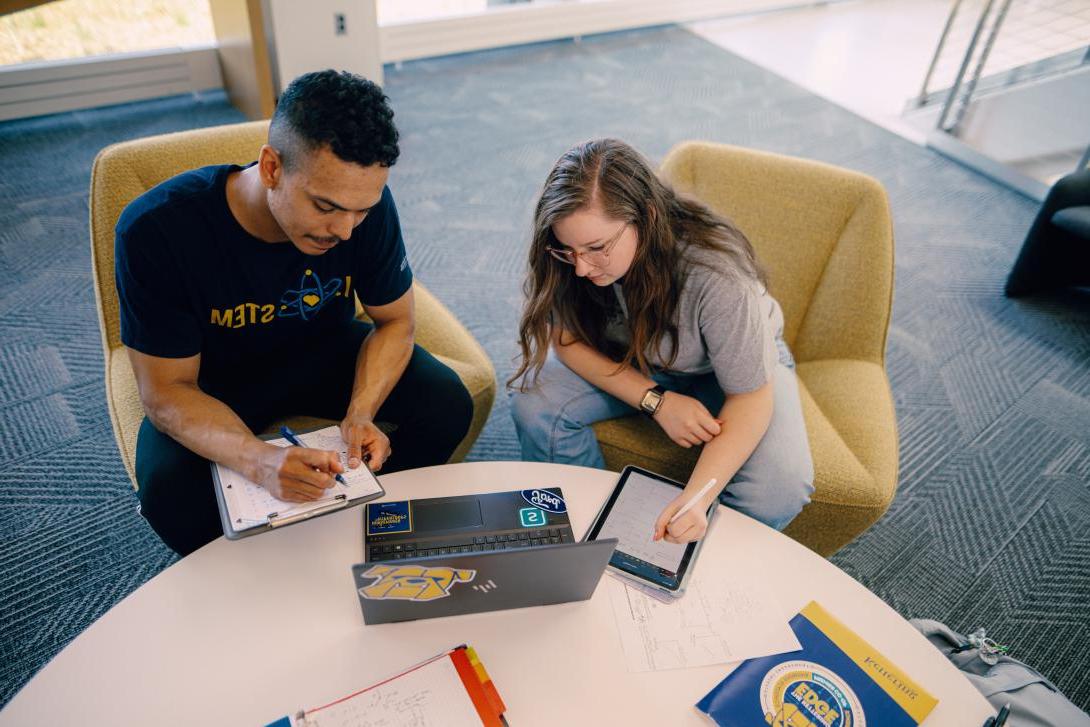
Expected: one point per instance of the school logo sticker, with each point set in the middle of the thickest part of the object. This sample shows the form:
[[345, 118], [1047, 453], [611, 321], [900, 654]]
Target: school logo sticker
[[805, 694], [533, 517], [389, 517], [546, 500], [413, 582]]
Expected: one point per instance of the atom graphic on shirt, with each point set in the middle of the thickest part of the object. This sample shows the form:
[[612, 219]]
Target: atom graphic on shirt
[[309, 298]]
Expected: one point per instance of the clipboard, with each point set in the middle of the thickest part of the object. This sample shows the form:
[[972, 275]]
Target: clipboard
[[248, 509]]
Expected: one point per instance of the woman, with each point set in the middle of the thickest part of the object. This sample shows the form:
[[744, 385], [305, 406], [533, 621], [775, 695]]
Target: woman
[[640, 299]]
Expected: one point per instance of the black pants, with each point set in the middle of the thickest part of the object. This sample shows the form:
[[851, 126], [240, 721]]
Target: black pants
[[429, 408]]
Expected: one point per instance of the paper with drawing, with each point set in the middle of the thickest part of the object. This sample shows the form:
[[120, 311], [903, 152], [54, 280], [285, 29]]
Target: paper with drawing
[[717, 621]]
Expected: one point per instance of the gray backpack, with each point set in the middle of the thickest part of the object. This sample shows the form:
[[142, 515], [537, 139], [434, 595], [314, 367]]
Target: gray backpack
[[1034, 700]]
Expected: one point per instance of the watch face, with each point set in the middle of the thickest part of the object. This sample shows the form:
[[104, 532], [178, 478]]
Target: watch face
[[651, 401]]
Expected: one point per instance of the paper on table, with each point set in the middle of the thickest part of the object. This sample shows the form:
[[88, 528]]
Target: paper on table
[[717, 621], [250, 504], [432, 694]]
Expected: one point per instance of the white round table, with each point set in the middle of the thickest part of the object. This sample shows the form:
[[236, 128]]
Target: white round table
[[244, 632]]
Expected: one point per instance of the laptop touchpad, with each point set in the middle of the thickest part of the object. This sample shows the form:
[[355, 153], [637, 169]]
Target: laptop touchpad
[[444, 514]]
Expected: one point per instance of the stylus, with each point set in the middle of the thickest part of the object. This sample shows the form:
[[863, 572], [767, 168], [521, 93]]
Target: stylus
[[692, 501]]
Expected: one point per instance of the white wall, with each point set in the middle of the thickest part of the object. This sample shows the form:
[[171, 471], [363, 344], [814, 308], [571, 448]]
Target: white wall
[[304, 37], [1046, 117], [33, 89], [532, 22]]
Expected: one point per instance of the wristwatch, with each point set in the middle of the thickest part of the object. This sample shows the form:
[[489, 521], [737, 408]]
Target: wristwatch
[[652, 400]]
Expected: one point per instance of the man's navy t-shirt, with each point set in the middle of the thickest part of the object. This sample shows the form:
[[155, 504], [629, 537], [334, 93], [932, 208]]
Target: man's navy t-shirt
[[191, 280]]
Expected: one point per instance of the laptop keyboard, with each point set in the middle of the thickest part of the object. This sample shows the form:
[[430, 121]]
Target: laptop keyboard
[[466, 544]]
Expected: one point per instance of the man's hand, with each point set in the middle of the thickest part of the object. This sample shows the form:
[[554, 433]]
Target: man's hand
[[298, 474], [366, 442], [690, 526], [685, 420]]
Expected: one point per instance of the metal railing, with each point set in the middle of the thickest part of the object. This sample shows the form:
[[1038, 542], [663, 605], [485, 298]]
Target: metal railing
[[1034, 38], [990, 45]]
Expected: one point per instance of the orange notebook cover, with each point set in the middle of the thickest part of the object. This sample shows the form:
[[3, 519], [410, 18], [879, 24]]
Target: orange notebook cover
[[479, 686]]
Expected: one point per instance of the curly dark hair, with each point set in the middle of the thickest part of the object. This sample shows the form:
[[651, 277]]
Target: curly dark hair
[[338, 109]]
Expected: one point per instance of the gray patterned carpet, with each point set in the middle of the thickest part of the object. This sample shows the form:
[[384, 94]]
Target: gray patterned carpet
[[991, 523]]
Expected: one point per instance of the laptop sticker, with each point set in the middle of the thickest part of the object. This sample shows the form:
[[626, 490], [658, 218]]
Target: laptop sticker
[[533, 517], [413, 582], [389, 517], [546, 500]]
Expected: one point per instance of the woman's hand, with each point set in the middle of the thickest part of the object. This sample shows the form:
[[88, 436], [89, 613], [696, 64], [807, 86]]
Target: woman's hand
[[687, 528], [685, 420]]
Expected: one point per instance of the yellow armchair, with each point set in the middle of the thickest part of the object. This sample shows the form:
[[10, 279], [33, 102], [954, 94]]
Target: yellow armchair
[[124, 171], [825, 236]]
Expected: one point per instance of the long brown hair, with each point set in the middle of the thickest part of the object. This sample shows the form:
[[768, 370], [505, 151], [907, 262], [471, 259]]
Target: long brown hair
[[615, 176]]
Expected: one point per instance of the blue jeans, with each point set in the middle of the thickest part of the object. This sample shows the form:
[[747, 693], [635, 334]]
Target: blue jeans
[[553, 423]]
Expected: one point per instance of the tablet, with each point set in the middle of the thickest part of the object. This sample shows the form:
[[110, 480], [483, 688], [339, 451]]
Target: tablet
[[629, 515]]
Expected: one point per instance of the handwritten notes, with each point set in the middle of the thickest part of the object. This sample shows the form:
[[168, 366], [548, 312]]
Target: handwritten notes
[[718, 620], [250, 504], [431, 694]]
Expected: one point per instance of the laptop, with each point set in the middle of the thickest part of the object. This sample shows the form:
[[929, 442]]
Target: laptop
[[447, 556]]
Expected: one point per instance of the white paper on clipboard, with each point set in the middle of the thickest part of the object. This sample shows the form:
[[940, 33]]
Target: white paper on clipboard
[[250, 505]]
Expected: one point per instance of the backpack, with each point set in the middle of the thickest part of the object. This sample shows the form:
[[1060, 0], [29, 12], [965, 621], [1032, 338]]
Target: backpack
[[1034, 701]]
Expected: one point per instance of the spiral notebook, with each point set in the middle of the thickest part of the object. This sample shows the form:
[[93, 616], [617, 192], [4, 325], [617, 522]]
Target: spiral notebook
[[451, 689], [247, 508]]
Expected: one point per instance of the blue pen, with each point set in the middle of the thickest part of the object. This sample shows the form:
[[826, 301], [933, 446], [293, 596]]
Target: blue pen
[[289, 435]]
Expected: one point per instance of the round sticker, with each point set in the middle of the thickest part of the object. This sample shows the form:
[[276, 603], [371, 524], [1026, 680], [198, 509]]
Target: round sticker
[[803, 689]]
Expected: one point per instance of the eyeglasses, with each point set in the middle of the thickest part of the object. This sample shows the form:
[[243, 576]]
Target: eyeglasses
[[597, 258]]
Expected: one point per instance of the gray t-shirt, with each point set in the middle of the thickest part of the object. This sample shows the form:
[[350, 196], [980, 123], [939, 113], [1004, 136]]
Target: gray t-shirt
[[725, 324]]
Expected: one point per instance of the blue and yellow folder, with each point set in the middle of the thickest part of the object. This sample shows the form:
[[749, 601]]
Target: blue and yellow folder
[[836, 680]]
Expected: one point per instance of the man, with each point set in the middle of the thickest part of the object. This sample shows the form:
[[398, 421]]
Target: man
[[237, 290]]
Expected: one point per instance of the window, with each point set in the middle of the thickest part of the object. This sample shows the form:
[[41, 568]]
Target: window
[[69, 29]]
